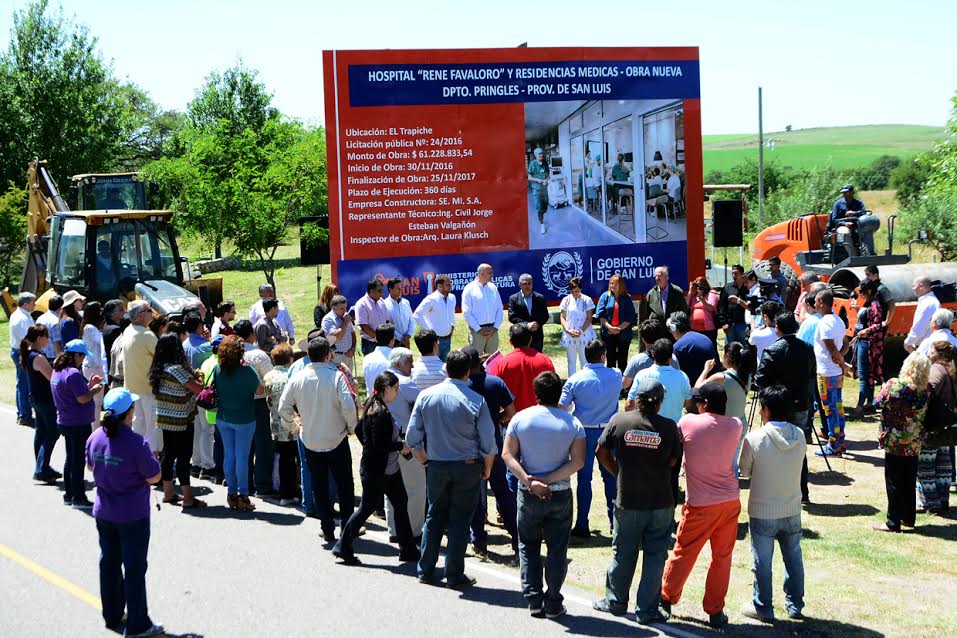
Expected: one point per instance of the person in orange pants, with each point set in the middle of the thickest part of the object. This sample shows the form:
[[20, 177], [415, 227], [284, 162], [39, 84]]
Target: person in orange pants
[[710, 514]]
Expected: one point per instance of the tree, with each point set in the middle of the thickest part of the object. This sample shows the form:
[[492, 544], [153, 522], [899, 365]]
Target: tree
[[810, 191], [877, 174], [934, 211], [13, 228], [58, 98], [788, 128], [910, 177]]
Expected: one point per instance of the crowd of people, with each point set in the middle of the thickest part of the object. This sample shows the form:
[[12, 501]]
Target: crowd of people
[[141, 399]]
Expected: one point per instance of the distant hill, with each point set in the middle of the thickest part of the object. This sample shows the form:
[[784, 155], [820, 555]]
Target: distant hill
[[845, 146]]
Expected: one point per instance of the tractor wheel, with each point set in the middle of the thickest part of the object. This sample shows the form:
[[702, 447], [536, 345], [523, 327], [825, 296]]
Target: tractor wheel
[[763, 270]]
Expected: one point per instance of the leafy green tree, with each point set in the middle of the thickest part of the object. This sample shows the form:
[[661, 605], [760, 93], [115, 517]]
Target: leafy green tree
[[877, 174], [810, 191], [58, 98], [910, 177], [934, 211], [13, 228]]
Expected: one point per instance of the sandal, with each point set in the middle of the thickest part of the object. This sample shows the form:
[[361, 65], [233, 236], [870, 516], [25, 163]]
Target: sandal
[[176, 498], [196, 504]]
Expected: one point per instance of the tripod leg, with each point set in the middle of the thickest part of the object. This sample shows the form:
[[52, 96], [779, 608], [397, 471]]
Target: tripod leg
[[820, 444]]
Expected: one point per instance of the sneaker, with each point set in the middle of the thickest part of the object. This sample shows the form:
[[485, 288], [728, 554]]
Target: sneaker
[[828, 451], [464, 583], [795, 614], [155, 630], [718, 620], [556, 612], [536, 610], [604, 606], [652, 619], [750, 611], [666, 607], [67, 500]]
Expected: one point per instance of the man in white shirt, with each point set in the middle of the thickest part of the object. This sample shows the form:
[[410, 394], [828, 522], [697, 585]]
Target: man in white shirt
[[400, 313], [283, 318], [413, 472], [941, 322], [341, 331], [927, 305], [20, 322], [673, 187], [437, 313], [482, 309], [764, 336], [429, 370], [377, 361], [320, 395], [51, 319], [829, 352], [263, 449]]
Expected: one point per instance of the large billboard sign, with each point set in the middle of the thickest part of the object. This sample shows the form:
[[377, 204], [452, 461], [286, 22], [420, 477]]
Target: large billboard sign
[[556, 162]]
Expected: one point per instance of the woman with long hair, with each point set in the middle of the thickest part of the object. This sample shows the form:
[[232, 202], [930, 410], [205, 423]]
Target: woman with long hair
[[617, 314], [158, 325], [739, 364], [702, 308], [577, 310], [903, 403], [175, 387], [934, 465], [236, 388], [379, 471], [868, 344], [73, 397], [39, 372], [70, 319], [92, 335], [324, 305], [123, 467]]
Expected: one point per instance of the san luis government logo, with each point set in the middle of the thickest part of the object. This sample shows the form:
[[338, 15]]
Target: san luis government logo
[[559, 267]]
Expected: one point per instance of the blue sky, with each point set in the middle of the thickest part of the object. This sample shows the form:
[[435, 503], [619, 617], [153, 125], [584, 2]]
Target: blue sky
[[820, 63]]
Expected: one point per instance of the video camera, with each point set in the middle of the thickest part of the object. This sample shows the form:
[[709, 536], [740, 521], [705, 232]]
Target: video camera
[[768, 292]]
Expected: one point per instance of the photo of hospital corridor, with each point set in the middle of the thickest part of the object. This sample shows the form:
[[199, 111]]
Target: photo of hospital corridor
[[605, 172]]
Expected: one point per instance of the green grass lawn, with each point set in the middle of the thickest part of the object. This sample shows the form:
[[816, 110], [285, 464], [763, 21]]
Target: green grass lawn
[[844, 147]]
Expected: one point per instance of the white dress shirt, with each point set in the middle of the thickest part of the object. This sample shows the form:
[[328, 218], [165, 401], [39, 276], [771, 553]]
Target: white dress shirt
[[937, 335], [481, 305], [320, 394], [400, 313], [436, 313], [373, 364], [283, 318], [927, 305], [20, 322]]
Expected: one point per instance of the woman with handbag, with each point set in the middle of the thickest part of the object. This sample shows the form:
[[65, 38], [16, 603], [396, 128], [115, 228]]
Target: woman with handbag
[[934, 464], [903, 403]]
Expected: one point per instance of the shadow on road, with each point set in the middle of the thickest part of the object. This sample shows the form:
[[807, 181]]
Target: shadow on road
[[273, 518]]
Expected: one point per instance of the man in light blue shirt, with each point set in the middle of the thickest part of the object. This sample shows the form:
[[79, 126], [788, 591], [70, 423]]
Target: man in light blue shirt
[[544, 446], [451, 430], [51, 319], [591, 394], [677, 386], [196, 347]]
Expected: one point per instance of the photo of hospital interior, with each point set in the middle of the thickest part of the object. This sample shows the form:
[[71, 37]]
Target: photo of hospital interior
[[616, 172]]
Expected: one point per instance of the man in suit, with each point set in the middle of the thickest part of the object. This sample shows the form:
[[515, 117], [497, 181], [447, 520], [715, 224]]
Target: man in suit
[[528, 306], [662, 300]]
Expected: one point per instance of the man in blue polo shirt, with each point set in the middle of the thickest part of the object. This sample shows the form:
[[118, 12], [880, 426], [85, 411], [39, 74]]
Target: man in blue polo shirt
[[591, 394], [849, 207]]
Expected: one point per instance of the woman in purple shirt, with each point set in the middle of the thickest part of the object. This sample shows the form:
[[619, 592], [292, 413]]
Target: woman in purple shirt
[[123, 466], [75, 413]]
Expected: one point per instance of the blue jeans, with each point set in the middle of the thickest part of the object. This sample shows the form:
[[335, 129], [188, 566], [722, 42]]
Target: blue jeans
[[648, 531], [787, 532], [865, 395], [737, 332], [452, 491], [237, 440], [23, 387], [308, 498], [583, 493], [263, 449], [550, 521], [445, 347], [123, 549], [336, 462], [45, 437]]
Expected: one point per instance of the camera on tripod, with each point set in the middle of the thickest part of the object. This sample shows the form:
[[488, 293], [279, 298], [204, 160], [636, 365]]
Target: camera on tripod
[[768, 291]]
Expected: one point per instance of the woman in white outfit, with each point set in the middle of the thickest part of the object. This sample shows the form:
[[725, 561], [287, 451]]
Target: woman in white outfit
[[577, 310], [95, 361]]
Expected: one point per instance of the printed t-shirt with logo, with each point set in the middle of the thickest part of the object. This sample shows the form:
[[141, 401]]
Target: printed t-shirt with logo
[[644, 445]]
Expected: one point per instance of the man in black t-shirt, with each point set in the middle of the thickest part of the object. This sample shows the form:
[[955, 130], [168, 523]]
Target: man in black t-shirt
[[640, 448], [731, 305]]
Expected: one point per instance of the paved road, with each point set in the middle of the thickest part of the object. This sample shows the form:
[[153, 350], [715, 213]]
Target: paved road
[[224, 574]]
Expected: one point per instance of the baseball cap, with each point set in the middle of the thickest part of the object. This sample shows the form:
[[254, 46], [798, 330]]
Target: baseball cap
[[847, 188], [650, 388], [76, 346], [709, 392], [119, 400]]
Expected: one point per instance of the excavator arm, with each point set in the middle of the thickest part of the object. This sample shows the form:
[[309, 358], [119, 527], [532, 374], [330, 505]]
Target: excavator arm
[[44, 201]]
